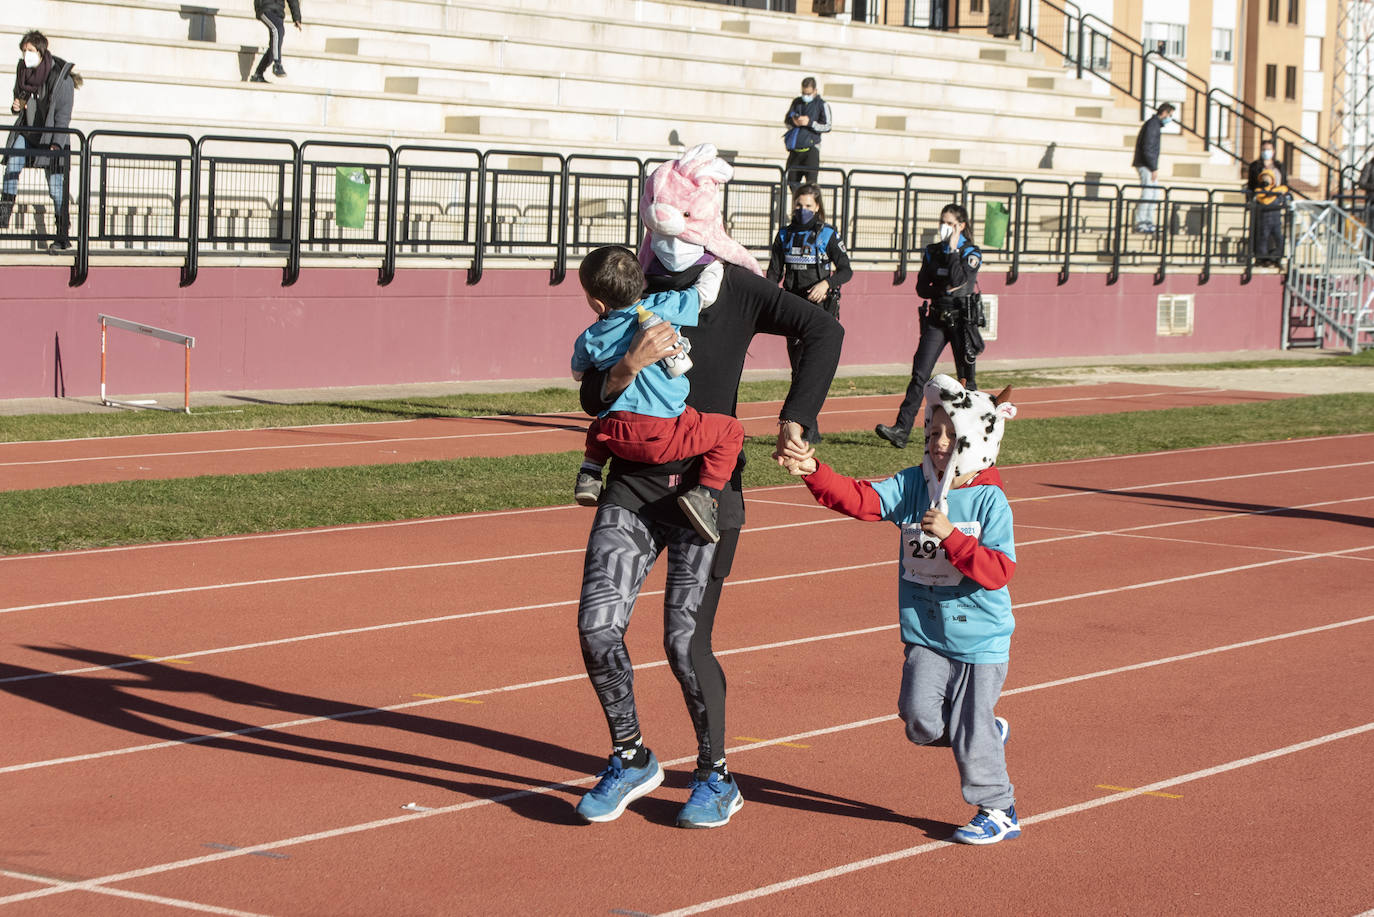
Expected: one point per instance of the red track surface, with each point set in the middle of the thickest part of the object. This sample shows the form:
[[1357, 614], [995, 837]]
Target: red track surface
[[29, 465], [1187, 621]]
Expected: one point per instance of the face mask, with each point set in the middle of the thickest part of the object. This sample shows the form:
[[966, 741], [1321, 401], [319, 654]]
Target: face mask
[[1163, 122], [808, 96], [803, 216], [946, 231], [1266, 155], [32, 59], [675, 254]]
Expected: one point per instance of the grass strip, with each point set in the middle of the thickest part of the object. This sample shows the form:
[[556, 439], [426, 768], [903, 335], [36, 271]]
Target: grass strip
[[117, 422], [131, 512]]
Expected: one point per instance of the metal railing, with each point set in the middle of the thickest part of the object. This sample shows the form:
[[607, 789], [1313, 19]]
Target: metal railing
[[1330, 288], [173, 196]]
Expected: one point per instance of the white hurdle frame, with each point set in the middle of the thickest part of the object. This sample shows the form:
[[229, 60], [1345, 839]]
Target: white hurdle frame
[[186, 340]]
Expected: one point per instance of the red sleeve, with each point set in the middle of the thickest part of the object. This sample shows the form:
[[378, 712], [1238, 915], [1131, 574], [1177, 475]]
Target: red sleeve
[[843, 494], [986, 567]]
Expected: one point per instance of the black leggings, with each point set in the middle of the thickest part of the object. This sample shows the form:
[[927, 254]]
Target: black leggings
[[934, 336], [621, 549]]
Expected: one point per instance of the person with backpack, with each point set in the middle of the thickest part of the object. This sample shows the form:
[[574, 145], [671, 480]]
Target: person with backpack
[[44, 87]]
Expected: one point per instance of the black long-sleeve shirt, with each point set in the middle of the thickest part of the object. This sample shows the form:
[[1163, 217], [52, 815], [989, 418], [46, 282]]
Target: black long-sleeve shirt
[[1147, 144], [747, 305], [943, 270]]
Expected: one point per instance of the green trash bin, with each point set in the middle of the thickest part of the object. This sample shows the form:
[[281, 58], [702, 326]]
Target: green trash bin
[[995, 218], [352, 187]]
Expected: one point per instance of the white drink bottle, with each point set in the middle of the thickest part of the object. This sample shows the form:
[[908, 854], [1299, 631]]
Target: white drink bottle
[[678, 363]]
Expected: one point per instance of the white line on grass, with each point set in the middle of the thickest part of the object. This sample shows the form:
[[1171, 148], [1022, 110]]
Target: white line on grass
[[466, 517], [897, 855]]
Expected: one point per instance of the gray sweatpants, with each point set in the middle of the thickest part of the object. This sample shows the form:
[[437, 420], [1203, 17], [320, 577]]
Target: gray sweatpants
[[944, 702]]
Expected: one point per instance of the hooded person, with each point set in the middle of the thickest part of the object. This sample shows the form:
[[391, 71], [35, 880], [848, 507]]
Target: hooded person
[[638, 516], [957, 555]]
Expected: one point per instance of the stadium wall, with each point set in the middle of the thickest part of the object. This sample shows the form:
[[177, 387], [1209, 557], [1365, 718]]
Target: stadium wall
[[336, 327]]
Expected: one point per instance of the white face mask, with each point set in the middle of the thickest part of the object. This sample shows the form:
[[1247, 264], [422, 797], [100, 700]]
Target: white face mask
[[32, 59], [946, 231], [675, 254], [1266, 155], [808, 96]]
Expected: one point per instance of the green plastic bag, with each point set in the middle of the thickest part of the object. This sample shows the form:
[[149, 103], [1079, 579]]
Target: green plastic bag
[[995, 217], [352, 187]]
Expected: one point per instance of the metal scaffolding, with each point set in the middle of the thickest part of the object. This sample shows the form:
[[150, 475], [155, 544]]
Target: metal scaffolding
[[1352, 92]]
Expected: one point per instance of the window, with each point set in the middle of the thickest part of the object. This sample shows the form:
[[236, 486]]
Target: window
[[990, 313], [976, 6], [1221, 45], [1175, 314], [1273, 10], [1169, 39], [1290, 83], [1312, 52], [1271, 81], [1292, 12]]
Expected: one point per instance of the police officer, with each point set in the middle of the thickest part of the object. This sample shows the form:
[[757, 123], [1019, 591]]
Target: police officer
[[809, 258], [948, 282]]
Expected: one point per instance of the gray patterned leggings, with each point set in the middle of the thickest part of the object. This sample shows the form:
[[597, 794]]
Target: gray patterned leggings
[[621, 550]]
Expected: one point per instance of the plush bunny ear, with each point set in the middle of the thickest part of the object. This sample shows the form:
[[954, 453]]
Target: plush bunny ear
[[702, 162]]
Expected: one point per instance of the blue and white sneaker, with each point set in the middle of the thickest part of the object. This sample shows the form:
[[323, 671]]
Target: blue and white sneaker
[[711, 802], [989, 826], [618, 787], [1003, 728]]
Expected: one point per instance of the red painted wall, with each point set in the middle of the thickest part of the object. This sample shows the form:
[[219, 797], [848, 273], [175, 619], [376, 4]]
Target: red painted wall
[[336, 327]]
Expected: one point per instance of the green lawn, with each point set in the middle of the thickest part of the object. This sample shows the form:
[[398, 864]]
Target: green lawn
[[145, 511]]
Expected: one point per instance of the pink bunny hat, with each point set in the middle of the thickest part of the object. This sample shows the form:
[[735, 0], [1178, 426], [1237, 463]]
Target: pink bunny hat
[[682, 199]]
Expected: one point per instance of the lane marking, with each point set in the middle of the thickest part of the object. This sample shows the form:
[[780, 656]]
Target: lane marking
[[132, 896], [449, 697], [780, 744], [168, 659], [464, 517], [1127, 789], [898, 855], [262, 853]]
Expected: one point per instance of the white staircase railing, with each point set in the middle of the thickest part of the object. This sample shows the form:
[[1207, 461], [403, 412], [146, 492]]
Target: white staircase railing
[[1330, 283]]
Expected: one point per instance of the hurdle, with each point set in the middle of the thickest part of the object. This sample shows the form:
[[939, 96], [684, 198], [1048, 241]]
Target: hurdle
[[186, 340]]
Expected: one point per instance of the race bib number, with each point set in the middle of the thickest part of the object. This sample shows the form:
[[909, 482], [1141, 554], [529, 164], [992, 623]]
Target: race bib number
[[924, 561]]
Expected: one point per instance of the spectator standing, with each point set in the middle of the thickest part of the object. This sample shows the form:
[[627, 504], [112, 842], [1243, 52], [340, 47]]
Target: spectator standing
[[272, 13], [1266, 187], [44, 87], [1146, 164], [808, 256], [808, 117]]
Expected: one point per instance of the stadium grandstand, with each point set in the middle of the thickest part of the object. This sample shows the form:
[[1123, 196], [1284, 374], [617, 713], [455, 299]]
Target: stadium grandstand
[[496, 143]]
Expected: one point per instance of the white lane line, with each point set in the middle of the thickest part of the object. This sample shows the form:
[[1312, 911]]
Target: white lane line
[[554, 787], [887, 406], [465, 517], [369, 628], [60, 885], [577, 677], [1088, 805]]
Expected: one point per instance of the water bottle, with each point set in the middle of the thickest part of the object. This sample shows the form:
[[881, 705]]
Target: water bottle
[[678, 363]]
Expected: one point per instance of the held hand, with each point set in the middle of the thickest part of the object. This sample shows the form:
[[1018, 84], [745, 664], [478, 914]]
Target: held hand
[[800, 468], [651, 345], [791, 446], [817, 293], [937, 524]]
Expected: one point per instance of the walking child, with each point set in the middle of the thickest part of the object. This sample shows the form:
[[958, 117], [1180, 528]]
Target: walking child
[[650, 422], [957, 555]]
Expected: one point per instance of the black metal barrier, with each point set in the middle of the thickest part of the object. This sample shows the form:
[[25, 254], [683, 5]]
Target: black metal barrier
[[162, 194]]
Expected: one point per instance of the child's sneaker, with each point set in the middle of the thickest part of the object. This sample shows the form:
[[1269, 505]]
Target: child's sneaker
[[618, 787], [588, 489], [989, 826], [1003, 728], [711, 802], [701, 509]]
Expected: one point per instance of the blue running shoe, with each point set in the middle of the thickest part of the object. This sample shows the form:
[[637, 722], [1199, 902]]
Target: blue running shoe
[[618, 787], [711, 803], [1003, 729], [989, 826]]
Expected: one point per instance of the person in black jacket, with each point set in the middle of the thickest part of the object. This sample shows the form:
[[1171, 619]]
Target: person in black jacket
[[948, 282], [638, 518], [808, 256], [272, 13], [44, 87], [1266, 187], [808, 117], [1146, 163]]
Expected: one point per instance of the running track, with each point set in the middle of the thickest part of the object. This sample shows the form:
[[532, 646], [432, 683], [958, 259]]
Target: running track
[[29, 465], [234, 726]]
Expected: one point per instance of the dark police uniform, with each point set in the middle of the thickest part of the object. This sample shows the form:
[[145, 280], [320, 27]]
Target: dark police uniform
[[945, 318]]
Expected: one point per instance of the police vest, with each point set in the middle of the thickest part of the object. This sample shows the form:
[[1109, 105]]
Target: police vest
[[970, 257], [806, 252]]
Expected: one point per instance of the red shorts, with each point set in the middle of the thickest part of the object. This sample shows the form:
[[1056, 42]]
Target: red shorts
[[717, 438]]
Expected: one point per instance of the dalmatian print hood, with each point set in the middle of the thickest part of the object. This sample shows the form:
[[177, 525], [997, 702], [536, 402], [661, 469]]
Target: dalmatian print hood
[[979, 421]]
